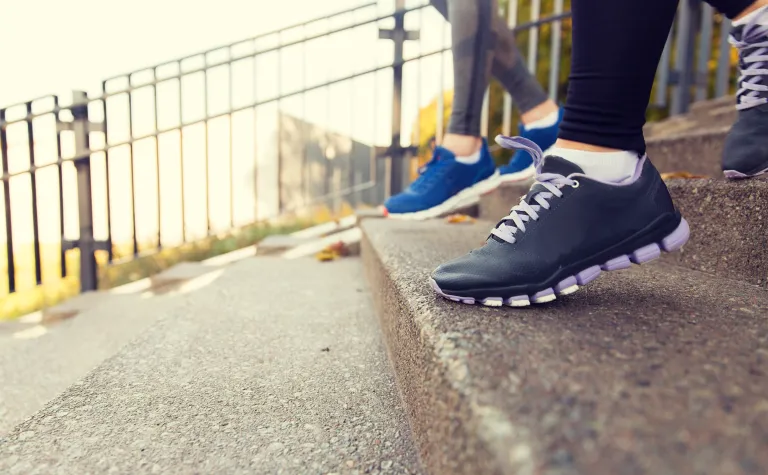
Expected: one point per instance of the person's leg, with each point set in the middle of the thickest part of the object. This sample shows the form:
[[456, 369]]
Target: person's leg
[[510, 69], [616, 50], [461, 168], [584, 216], [539, 116], [602, 128], [483, 45], [508, 66], [745, 153], [472, 42]]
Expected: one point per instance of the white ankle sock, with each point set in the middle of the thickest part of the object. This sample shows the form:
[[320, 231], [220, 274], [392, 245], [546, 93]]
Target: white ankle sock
[[752, 15], [607, 166], [547, 121], [469, 159]]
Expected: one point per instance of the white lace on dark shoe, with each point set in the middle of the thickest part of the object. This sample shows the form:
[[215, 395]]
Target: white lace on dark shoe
[[752, 43], [515, 221]]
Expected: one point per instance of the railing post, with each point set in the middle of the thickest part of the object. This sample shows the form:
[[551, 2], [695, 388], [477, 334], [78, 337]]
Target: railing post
[[396, 152], [86, 242], [687, 27]]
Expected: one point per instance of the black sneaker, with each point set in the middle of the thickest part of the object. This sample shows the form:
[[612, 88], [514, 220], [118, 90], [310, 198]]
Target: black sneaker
[[746, 149], [565, 231]]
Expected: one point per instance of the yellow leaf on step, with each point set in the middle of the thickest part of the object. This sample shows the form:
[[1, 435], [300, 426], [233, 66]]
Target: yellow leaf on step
[[326, 255], [459, 219], [680, 175]]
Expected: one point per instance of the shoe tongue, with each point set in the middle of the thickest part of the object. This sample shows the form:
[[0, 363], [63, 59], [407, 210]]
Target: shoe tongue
[[559, 165], [556, 165], [737, 32], [441, 153]]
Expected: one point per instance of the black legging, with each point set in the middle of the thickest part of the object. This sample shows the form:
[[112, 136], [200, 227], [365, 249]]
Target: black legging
[[482, 45], [617, 45]]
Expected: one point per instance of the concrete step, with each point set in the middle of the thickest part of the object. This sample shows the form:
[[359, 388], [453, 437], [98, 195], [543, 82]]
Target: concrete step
[[728, 233], [41, 357], [707, 106], [282, 242], [652, 370], [714, 118], [698, 151], [729, 227], [692, 142], [277, 366]]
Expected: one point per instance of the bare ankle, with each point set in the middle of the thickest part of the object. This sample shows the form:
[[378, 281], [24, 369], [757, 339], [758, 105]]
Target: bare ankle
[[539, 112], [462, 145], [750, 9]]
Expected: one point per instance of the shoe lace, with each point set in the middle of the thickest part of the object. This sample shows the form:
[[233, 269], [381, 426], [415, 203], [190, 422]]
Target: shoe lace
[[754, 63], [429, 173], [529, 207]]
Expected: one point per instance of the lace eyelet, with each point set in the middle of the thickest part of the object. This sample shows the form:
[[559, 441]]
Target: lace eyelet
[[575, 184]]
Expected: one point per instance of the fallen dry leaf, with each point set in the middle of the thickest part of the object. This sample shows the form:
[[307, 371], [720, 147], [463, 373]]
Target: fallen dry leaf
[[332, 252], [459, 219], [326, 255], [683, 175]]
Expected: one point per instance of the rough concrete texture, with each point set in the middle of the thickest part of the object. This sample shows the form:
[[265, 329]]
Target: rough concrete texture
[[326, 228], [276, 367], [39, 360], [349, 237], [729, 236], [179, 273], [692, 142], [706, 114], [654, 370], [698, 152], [280, 242], [73, 306]]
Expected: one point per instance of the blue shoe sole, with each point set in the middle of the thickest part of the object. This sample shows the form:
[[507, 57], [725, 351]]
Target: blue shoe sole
[[466, 197]]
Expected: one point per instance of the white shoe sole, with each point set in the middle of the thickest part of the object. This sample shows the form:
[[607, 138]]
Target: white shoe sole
[[466, 197]]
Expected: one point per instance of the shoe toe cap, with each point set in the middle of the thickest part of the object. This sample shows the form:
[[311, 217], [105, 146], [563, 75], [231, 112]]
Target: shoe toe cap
[[402, 203], [463, 273], [746, 147]]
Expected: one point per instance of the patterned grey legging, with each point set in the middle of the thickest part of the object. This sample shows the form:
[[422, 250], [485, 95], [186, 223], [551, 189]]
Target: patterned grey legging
[[484, 45]]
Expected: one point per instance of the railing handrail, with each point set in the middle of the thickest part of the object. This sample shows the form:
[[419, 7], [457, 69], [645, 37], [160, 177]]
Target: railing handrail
[[154, 82], [252, 38]]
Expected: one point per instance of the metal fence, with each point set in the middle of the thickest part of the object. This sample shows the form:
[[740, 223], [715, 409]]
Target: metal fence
[[155, 158]]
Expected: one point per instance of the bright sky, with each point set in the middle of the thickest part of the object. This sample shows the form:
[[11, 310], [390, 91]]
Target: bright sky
[[52, 45]]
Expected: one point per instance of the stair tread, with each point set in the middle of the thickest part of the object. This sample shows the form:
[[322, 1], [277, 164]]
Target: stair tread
[[39, 360], [692, 142], [276, 366], [657, 369]]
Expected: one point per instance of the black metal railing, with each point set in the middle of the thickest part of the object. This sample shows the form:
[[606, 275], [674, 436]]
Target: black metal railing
[[155, 158]]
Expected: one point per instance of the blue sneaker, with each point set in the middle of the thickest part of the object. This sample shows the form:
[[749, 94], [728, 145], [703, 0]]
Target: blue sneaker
[[444, 185], [520, 167]]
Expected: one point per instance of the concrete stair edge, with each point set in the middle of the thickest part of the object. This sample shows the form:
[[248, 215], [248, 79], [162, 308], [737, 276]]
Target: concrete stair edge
[[441, 424], [462, 427], [108, 420], [692, 142]]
